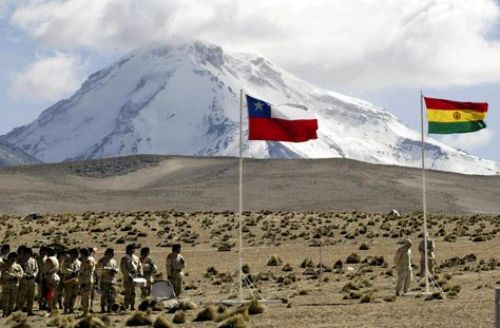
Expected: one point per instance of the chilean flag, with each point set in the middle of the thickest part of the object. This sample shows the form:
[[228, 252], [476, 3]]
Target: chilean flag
[[291, 123]]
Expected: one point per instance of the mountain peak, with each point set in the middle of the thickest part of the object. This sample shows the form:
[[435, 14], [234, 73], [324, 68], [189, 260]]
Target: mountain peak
[[184, 100]]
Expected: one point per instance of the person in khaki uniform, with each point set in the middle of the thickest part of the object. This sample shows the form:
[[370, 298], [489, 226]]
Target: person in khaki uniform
[[11, 276], [86, 279], [175, 268], [70, 269], [27, 286], [107, 269], [402, 262], [40, 259], [130, 267], [50, 278], [149, 267], [431, 256], [62, 256], [93, 253]]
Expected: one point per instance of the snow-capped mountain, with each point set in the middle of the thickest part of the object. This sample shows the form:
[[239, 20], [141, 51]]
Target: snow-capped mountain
[[10, 156], [184, 100]]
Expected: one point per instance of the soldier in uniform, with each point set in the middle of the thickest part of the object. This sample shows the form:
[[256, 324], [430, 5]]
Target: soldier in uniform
[[431, 256], [40, 259], [62, 257], [50, 278], [11, 276], [175, 268], [70, 270], [86, 279], [27, 286], [107, 269], [402, 261], [93, 253], [149, 267], [130, 267]]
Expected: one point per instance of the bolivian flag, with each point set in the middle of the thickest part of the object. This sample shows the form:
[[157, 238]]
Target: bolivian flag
[[447, 116]]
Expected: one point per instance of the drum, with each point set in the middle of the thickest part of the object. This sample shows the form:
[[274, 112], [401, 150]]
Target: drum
[[140, 282], [163, 289]]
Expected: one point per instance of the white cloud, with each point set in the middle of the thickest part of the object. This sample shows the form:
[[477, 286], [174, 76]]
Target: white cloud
[[48, 79], [4, 5], [469, 142], [359, 44]]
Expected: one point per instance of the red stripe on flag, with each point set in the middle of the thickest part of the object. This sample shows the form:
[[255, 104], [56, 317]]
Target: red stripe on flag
[[443, 104], [275, 129]]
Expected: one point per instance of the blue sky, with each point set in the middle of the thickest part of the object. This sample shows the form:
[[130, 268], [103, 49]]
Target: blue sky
[[381, 51]]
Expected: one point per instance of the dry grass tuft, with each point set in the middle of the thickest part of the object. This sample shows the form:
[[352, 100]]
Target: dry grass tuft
[[179, 317], [18, 320], [209, 313], [353, 259], [275, 260], [140, 319], [254, 307], [92, 322], [235, 321], [162, 322]]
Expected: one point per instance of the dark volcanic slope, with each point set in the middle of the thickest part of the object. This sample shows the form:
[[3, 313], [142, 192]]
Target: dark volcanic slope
[[195, 184]]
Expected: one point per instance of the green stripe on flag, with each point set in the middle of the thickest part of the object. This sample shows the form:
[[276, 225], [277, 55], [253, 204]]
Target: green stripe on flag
[[459, 127]]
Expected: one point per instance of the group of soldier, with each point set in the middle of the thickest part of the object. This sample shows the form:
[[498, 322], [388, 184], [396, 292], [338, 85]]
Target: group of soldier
[[403, 264], [60, 277], [56, 278]]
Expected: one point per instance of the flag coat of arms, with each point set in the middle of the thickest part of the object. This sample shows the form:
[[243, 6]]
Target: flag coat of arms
[[292, 123], [447, 116]]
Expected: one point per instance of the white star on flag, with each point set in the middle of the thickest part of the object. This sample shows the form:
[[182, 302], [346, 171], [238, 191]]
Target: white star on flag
[[259, 106]]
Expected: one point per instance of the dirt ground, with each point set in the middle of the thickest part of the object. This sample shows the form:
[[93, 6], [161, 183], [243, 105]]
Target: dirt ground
[[211, 184], [341, 294]]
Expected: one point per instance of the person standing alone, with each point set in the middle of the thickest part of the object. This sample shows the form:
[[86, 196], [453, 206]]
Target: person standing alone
[[402, 261], [175, 268]]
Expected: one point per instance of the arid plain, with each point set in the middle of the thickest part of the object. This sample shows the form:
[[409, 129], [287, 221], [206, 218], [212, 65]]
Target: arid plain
[[294, 207]]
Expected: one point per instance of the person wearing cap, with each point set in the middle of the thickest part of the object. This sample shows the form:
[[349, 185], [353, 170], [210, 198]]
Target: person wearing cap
[[70, 269], [86, 279], [41, 290], [50, 278], [107, 269], [149, 267], [431, 255], [175, 268], [11, 276], [402, 262], [27, 286], [131, 268]]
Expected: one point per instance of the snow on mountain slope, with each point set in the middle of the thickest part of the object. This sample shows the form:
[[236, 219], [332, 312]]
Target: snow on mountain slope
[[185, 101], [10, 156]]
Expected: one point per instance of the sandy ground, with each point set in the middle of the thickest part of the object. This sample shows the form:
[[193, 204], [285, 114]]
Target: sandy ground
[[313, 298], [340, 204], [198, 184]]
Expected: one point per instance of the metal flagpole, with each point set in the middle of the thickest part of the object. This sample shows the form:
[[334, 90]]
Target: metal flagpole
[[320, 259], [424, 198], [241, 198]]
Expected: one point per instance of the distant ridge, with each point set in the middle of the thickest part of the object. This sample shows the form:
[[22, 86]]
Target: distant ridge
[[10, 156], [202, 183]]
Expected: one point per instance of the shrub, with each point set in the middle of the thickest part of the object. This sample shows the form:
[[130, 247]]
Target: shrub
[[139, 319], [235, 321], [275, 260], [179, 317], [353, 259], [254, 307], [162, 322], [364, 247], [209, 313]]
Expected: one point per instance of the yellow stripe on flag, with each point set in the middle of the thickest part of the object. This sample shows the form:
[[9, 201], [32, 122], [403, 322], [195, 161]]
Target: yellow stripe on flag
[[454, 116]]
